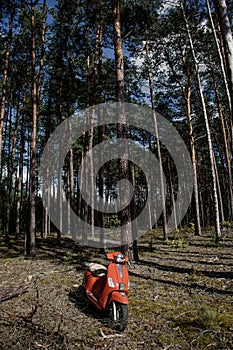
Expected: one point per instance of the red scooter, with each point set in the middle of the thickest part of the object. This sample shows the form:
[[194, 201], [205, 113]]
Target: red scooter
[[107, 289]]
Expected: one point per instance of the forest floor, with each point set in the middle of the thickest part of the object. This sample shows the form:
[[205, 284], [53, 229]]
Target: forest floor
[[181, 296]]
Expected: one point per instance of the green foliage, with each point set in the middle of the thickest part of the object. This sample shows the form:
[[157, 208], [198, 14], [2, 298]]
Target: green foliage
[[112, 220], [179, 243], [180, 239], [227, 224], [192, 226]]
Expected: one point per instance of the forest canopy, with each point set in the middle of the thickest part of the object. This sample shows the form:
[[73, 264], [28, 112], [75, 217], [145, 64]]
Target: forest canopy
[[61, 57]]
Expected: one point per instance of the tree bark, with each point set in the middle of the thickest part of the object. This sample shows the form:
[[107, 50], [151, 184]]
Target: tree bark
[[126, 229], [31, 238]]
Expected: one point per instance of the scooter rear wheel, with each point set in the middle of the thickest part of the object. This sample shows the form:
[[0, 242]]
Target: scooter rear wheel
[[118, 316]]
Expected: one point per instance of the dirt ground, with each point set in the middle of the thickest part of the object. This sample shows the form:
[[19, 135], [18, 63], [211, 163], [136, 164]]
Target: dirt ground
[[181, 296]]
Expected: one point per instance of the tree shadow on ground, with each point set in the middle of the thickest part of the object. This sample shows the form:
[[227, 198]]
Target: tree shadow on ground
[[198, 262], [188, 270], [185, 252], [189, 286], [67, 251]]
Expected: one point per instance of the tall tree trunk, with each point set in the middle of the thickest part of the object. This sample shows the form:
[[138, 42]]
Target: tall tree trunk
[[19, 195], [225, 26], [194, 162], [60, 191], [91, 188], [39, 87], [133, 211], [126, 229], [87, 136], [31, 238], [210, 146], [172, 197], [225, 143], [101, 128], [221, 60], [5, 74], [149, 204], [70, 181], [42, 51], [162, 185], [101, 191], [10, 172], [19, 182], [219, 193], [46, 215]]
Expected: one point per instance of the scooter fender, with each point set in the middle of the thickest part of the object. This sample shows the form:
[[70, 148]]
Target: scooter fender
[[119, 297]]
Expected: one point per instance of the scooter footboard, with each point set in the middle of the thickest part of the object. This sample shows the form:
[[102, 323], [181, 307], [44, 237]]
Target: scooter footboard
[[119, 297]]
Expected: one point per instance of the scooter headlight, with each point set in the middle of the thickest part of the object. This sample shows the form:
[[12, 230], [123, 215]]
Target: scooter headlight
[[119, 258], [111, 283]]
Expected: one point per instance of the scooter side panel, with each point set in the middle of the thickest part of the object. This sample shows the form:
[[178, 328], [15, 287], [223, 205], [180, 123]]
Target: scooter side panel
[[89, 280], [117, 278], [94, 284]]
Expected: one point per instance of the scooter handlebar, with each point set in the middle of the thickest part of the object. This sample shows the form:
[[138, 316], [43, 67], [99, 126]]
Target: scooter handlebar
[[117, 256]]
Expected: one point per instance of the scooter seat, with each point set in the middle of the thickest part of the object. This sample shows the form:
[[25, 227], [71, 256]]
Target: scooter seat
[[97, 269]]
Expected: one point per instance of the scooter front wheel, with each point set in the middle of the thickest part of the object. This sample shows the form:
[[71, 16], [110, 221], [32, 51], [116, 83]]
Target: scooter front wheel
[[118, 316]]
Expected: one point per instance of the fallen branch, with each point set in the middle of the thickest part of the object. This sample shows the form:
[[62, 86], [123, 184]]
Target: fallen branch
[[14, 292], [110, 335]]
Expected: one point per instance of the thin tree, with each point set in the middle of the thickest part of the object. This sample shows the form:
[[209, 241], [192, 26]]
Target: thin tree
[[163, 195], [210, 146], [186, 93]]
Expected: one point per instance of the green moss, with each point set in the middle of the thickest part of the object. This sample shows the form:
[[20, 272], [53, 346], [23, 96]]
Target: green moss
[[206, 317], [225, 319]]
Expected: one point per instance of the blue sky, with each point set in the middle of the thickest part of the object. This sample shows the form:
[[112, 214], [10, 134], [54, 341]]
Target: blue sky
[[51, 2]]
